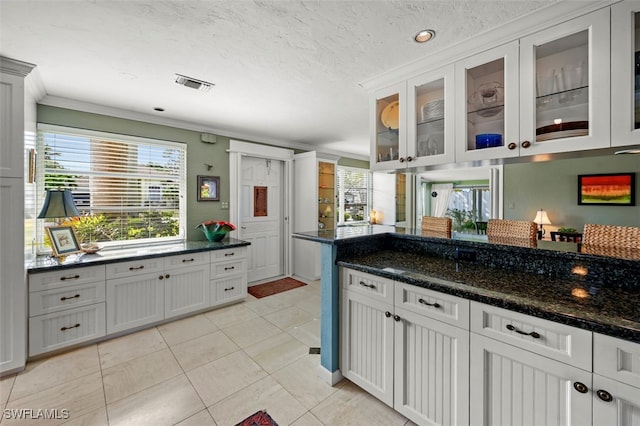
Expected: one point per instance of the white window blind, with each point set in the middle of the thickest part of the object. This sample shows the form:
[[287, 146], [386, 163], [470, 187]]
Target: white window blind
[[354, 189], [127, 189]]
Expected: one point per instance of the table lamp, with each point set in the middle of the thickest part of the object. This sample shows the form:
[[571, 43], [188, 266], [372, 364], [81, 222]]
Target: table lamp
[[541, 219], [59, 204]]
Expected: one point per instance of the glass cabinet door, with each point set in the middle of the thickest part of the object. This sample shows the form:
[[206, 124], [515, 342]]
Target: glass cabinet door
[[388, 138], [430, 124], [487, 118], [625, 67], [564, 86], [326, 195]]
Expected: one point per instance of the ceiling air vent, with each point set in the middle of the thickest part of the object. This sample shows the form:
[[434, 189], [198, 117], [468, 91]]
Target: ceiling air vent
[[193, 83]]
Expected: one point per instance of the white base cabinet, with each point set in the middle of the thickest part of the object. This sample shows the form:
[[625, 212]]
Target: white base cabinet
[[73, 305], [394, 348]]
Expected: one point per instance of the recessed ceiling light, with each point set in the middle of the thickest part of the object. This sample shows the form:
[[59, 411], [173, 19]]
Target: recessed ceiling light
[[158, 109], [424, 36], [193, 83]]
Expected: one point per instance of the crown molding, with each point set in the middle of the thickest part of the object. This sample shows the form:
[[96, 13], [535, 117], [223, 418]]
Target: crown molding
[[533, 22], [15, 67], [73, 104]]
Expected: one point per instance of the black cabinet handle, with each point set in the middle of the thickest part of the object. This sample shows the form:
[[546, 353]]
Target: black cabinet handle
[[396, 318], [188, 260], [229, 288], [135, 268], [581, 387], [230, 267], [161, 277], [424, 302], [74, 277], [228, 254], [387, 314], [363, 284], [532, 334], [167, 276], [69, 328], [70, 297], [604, 395]]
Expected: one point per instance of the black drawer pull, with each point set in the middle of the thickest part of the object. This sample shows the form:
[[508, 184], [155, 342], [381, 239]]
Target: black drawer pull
[[424, 302], [135, 268], [228, 254], [167, 276], [161, 277], [69, 328], [387, 314], [363, 284], [188, 260], [580, 387], [229, 288], [70, 297], [74, 277], [532, 334], [604, 395], [230, 267], [396, 318]]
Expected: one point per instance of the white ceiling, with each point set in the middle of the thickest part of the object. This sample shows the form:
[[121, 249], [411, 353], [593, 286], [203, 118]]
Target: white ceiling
[[285, 72]]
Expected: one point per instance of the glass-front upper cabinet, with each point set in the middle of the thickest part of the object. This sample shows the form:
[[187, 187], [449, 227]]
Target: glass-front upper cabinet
[[564, 86], [625, 67], [388, 136], [430, 122], [487, 111]]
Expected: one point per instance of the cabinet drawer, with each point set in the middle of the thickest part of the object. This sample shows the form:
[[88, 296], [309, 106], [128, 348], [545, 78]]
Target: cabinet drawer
[[367, 284], [227, 289], [617, 359], [228, 254], [443, 307], [551, 339], [135, 267], [66, 277], [59, 299], [61, 329], [228, 268], [189, 259]]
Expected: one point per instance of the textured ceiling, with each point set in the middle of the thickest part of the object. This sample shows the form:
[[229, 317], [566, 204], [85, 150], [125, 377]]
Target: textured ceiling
[[284, 71]]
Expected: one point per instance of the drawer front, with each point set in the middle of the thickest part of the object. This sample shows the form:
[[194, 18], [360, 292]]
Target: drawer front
[[443, 307], [228, 268], [189, 259], [61, 329], [228, 254], [225, 290], [617, 359], [66, 277], [370, 285], [134, 268], [554, 340], [59, 299]]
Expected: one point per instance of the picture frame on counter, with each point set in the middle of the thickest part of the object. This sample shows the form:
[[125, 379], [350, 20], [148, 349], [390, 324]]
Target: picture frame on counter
[[64, 240], [208, 188]]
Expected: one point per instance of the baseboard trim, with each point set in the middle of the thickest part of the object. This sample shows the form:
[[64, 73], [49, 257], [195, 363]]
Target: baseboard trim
[[329, 377]]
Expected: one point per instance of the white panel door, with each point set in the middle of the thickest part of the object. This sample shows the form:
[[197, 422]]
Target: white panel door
[[615, 403], [431, 370], [260, 224], [367, 344], [186, 290], [511, 386], [134, 301]]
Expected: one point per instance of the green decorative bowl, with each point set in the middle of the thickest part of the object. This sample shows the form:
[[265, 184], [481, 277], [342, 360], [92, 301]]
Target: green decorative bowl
[[215, 231]]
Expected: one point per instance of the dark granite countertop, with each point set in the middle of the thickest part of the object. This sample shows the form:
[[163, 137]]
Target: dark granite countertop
[[576, 301], [46, 263]]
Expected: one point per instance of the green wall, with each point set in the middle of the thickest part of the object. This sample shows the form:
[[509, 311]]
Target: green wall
[[553, 186], [350, 162]]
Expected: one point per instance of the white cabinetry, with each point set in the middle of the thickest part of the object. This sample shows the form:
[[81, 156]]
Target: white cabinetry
[[395, 346], [13, 292], [66, 307], [625, 69], [186, 283], [228, 276], [515, 377], [616, 382]]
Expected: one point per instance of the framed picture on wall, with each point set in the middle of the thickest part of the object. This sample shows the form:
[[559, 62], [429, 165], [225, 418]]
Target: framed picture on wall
[[612, 189], [208, 188]]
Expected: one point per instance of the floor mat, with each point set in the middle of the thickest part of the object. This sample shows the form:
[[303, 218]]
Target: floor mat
[[274, 287], [261, 418]]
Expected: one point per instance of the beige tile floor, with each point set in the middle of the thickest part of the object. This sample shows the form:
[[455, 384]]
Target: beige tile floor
[[214, 368]]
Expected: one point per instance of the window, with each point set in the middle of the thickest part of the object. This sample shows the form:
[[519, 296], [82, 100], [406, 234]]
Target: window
[[353, 195], [127, 189], [467, 205]]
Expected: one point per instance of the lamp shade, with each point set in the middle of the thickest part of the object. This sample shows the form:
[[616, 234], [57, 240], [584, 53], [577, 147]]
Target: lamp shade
[[542, 218], [58, 203]]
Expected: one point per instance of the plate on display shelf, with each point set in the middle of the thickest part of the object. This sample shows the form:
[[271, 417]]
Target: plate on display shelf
[[390, 115], [568, 129], [562, 134]]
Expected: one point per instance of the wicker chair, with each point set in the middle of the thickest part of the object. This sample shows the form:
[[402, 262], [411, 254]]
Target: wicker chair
[[521, 233], [439, 227], [611, 240]]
